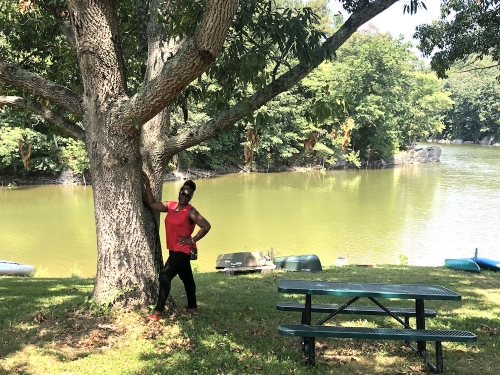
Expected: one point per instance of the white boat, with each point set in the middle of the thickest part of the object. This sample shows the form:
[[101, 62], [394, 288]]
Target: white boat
[[16, 269]]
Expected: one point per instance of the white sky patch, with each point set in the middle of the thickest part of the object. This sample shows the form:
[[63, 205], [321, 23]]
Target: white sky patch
[[396, 23]]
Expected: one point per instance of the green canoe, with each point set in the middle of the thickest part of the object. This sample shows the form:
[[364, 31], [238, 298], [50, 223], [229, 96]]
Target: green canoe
[[309, 263], [462, 264]]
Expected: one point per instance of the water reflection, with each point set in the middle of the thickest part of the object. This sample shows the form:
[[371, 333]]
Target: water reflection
[[424, 212]]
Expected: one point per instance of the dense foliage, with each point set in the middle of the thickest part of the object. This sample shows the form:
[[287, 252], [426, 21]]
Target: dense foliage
[[464, 46], [363, 105], [29, 145], [32, 149], [476, 96], [392, 100], [374, 99], [466, 27]]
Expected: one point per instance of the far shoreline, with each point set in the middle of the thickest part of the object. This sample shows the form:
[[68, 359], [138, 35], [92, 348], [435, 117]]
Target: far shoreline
[[428, 153]]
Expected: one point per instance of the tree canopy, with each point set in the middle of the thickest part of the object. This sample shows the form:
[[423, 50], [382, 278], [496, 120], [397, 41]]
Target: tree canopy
[[464, 45], [466, 27], [475, 92], [394, 102]]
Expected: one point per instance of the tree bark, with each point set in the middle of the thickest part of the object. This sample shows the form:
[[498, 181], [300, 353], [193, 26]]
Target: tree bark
[[57, 94], [127, 135]]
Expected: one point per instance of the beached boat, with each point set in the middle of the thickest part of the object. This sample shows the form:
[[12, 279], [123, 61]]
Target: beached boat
[[462, 264], [487, 263], [244, 260], [309, 263], [16, 269]]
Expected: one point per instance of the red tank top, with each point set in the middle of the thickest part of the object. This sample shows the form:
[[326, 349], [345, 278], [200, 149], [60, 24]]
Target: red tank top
[[177, 225]]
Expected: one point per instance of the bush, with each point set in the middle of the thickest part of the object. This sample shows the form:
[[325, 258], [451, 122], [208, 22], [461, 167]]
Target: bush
[[45, 153], [42, 153]]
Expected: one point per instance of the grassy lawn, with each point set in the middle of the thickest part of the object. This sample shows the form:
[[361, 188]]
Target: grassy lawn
[[44, 328]]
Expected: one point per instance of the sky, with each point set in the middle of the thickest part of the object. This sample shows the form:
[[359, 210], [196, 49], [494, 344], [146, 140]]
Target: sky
[[395, 22]]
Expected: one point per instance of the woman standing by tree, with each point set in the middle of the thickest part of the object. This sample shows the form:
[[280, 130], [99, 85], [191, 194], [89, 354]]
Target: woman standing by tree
[[180, 222]]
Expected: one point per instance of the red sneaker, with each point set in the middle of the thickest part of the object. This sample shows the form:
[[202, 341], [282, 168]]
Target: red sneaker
[[154, 316], [192, 311]]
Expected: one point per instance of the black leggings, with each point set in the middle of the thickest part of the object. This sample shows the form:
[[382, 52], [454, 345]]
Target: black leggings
[[178, 263]]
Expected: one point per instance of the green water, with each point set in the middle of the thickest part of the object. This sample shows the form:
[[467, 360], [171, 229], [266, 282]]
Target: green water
[[419, 213]]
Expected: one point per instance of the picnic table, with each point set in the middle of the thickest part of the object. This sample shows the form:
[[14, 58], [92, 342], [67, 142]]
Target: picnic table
[[374, 292]]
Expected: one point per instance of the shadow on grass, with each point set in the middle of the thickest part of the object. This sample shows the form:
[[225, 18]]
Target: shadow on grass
[[235, 331], [21, 295], [34, 311]]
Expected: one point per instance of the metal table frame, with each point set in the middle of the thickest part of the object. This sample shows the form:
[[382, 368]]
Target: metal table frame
[[357, 290]]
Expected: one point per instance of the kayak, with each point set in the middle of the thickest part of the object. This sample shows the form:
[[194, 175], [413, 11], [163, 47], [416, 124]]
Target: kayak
[[243, 259], [16, 269], [487, 263], [308, 263], [462, 264]]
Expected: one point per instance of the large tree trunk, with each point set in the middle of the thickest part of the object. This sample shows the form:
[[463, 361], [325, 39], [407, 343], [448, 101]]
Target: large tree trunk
[[121, 140], [129, 252]]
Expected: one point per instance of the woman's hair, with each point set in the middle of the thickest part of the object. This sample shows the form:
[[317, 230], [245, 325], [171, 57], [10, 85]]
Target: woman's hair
[[190, 184]]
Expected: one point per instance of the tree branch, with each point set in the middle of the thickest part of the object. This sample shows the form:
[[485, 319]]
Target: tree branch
[[61, 17], [71, 128], [282, 84], [57, 94], [194, 57], [478, 68]]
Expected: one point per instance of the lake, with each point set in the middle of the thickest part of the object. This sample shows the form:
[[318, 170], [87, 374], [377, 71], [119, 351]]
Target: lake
[[419, 214]]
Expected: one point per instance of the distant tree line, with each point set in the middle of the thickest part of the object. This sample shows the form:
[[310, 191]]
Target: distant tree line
[[464, 48], [374, 99]]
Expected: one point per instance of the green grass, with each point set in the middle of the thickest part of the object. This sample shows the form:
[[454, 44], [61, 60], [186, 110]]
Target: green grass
[[44, 328]]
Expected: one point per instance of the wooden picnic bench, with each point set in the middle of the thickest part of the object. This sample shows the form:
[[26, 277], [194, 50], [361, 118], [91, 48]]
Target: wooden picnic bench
[[438, 336]]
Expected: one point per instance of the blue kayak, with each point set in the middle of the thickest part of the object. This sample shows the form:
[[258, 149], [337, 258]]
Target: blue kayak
[[487, 263], [462, 264]]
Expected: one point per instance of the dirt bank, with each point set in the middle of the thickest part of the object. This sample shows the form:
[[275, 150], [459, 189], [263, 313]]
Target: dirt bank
[[67, 178]]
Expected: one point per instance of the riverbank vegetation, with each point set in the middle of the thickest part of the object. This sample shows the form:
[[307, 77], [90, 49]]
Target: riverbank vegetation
[[281, 137], [374, 99], [47, 328]]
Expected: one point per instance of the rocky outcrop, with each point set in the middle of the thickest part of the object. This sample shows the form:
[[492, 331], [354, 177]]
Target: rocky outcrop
[[417, 155], [488, 140]]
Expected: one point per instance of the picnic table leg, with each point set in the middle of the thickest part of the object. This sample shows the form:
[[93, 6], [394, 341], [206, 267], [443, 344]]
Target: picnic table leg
[[439, 358], [307, 310], [419, 309], [308, 342], [407, 322], [421, 345], [309, 351]]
